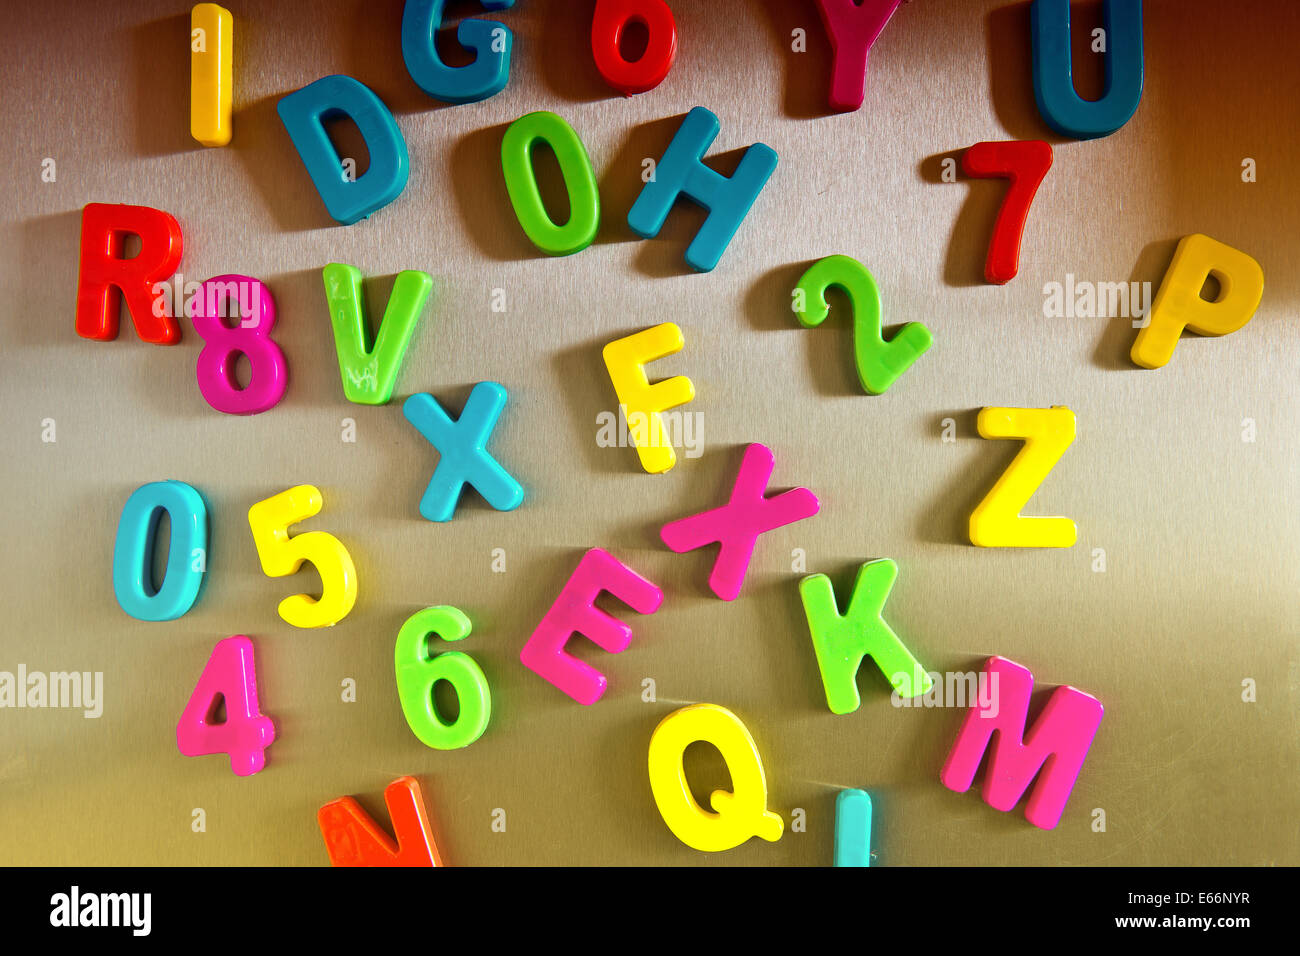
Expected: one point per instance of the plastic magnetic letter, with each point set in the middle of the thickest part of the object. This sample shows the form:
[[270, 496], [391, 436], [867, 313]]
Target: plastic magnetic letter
[[212, 46], [418, 671], [1024, 163], [853, 828], [737, 815], [841, 641], [230, 677], [282, 555], [579, 230], [1179, 304], [575, 612], [462, 447], [996, 521], [490, 41], [853, 26], [640, 402], [303, 113], [681, 172], [1056, 744], [879, 363], [106, 275], [1061, 106], [369, 363], [352, 838], [137, 531], [609, 21], [735, 526], [254, 308]]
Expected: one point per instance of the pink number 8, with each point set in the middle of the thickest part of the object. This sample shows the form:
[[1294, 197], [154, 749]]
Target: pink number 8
[[223, 345]]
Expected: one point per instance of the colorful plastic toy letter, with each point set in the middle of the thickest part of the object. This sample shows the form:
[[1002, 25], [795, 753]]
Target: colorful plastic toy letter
[[230, 676], [106, 275], [352, 838], [462, 447], [879, 362], [1060, 105], [1024, 163], [579, 230], [853, 26], [575, 612], [736, 816], [490, 41], [1179, 304], [648, 71], [303, 114], [212, 48], [1056, 744], [369, 363], [996, 521], [640, 402], [282, 555], [736, 525], [223, 345], [137, 530], [681, 172], [853, 828], [841, 641], [418, 671]]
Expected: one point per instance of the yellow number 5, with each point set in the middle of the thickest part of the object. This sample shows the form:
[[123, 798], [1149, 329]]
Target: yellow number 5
[[282, 555]]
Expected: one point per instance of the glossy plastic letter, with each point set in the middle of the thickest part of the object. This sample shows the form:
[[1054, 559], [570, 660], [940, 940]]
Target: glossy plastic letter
[[303, 114], [1053, 749], [609, 21], [682, 173], [735, 526], [352, 838], [1024, 164], [853, 26], [106, 275], [491, 42], [462, 449], [253, 309], [575, 612], [418, 670], [879, 363], [230, 676], [211, 73], [369, 363], [282, 555], [737, 815], [1179, 304], [641, 403], [137, 530], [853, 828], [996, 521], [579, 230], [1061, 106], [841, 641]]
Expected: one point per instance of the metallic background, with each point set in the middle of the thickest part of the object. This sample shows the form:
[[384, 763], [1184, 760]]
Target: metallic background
[[1200, 528]]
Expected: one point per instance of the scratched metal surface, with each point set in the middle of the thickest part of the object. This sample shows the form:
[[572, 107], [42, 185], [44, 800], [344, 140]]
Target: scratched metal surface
[[1200, 528]]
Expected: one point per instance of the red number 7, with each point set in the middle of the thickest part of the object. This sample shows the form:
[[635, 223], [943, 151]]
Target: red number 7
[[1025, 163]]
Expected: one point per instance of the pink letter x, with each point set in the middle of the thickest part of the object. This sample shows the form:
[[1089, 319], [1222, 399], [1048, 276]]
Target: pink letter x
[[737, 524]]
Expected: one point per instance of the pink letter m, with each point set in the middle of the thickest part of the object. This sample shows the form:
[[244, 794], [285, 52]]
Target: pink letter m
[[1056, 744]]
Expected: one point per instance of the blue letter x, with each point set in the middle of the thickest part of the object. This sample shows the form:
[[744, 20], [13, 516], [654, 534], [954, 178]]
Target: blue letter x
[[462, 445]]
